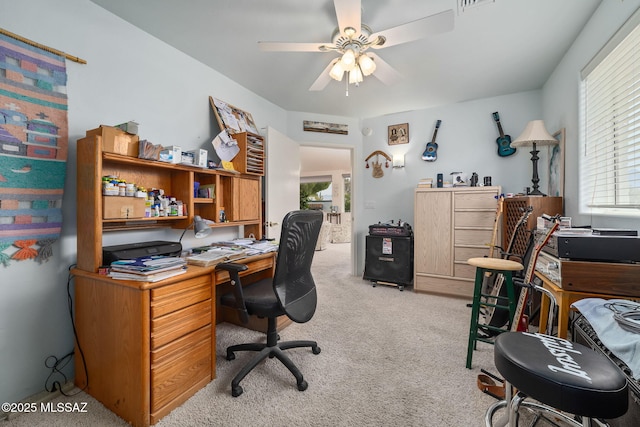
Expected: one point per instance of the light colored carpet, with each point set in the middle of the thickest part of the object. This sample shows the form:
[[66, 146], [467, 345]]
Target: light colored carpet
[[388, 358]]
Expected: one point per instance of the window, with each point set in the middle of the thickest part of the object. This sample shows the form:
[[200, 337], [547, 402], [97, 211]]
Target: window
[[610, 126]]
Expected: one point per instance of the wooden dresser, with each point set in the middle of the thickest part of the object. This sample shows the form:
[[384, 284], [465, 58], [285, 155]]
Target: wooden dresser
[[451, 226]]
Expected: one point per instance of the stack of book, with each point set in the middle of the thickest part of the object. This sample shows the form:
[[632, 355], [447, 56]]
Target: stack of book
[[214, 256], [147, 269], [425, 183]]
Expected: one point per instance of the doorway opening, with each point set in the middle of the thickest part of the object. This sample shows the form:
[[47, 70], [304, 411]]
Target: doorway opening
[[326, 184]]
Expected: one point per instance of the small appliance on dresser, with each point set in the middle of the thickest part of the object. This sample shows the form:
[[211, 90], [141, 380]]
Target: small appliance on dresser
[[389, 254]]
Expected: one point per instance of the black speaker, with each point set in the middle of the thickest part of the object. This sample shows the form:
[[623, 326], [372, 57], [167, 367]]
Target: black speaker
[[389, 259]]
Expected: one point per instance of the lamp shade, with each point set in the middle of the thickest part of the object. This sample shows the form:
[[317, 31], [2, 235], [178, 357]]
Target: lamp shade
[[337, 71], [366, 64], [534, 133], [200, 227]]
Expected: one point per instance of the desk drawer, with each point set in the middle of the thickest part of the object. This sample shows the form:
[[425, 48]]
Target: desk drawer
[[178, 369], [174, 297], [260, 265], [174, 325]]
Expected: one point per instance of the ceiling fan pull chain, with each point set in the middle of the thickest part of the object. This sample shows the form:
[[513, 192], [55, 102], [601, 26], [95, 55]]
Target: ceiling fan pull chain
[[346, 81]]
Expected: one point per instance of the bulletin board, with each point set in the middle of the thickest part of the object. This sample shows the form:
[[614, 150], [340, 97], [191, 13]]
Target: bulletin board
[[231, 118]]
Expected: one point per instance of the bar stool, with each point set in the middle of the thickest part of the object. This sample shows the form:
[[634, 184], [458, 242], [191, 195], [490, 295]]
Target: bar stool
[[562, 377], [483, 266]]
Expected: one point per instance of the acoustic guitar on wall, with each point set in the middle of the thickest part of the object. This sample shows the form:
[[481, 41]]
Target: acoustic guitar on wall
[[504, 141], [431, 152]]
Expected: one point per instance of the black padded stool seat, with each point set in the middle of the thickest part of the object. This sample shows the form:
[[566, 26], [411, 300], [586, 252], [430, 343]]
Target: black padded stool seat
[[562, 374]]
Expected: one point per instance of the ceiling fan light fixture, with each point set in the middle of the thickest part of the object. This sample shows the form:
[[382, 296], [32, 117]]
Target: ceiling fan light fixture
[[337, 71], [348, 59], [355, 76], [367, 65]]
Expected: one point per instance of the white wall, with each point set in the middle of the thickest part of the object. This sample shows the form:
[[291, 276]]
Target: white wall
[[129, 75], [560, 102]]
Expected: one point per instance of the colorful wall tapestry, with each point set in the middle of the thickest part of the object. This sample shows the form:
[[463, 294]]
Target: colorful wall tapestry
[[33, 149]]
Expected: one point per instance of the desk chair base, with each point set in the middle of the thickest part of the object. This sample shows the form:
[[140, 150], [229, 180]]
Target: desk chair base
[[271, 349]]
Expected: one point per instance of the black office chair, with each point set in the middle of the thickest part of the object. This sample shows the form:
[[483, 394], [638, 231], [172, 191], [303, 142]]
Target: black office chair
[[291, 292]]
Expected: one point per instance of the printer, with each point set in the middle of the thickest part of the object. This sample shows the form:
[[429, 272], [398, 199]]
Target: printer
[[137, 250]]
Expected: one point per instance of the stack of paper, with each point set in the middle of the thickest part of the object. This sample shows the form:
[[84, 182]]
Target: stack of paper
[[147, 269]]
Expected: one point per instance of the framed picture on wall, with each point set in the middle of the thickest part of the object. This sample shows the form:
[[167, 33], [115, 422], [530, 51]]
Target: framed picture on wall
[[556, 165], [398, 134]]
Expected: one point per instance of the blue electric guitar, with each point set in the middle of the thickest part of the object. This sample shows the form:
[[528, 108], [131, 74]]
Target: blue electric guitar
[[431, 152], [504, 141]]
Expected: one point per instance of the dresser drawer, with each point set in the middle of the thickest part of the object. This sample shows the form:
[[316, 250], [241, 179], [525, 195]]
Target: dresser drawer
[[176, 324], [464, 271], [475, 218], [463, 254], [475, 200], [477, 237], [178, 369], [174, 297]]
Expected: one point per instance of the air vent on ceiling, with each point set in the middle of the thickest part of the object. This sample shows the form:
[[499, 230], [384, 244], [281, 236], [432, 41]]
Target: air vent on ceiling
[[465, 4]]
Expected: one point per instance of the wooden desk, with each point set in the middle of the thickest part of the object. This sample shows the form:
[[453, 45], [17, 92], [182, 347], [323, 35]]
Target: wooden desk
[[148, 347], [564, 298]]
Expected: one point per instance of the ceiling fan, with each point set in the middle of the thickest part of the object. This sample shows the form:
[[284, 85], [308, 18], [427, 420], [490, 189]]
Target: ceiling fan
[[352, 39]]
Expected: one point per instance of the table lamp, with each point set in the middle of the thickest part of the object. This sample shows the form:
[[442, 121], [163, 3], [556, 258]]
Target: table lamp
[[200, 228], [534, 134]]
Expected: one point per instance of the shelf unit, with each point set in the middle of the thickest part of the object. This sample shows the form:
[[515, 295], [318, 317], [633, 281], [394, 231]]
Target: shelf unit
[[239, 195], [250, 159]]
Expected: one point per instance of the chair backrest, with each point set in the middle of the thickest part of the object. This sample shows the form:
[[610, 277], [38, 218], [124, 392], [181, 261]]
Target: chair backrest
[[292, 281]]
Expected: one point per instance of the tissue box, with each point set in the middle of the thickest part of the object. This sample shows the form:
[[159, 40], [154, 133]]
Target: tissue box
[[187, 158], [171, 154], [199, 157]]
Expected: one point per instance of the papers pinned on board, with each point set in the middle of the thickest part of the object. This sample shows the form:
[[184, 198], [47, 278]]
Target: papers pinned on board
[[226, 147]]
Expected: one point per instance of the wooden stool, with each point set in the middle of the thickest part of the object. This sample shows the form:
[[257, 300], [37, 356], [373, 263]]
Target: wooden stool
[[483, 266]]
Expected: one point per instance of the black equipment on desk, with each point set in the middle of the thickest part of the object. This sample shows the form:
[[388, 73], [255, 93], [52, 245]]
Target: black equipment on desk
[[141, 249], [594, 247], [389, 254]]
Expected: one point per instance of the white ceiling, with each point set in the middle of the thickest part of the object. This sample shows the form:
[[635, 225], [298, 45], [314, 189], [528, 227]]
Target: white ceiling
[[502, 47]]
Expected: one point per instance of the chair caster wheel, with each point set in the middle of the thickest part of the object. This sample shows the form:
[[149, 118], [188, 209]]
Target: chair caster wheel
[[315, 350], [231, 356], [236, 391], [302, 385]]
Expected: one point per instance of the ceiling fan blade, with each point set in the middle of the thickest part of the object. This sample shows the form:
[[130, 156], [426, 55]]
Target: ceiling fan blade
[[292, 47], [419, 29], [384, 72], [349, 14], [324, 78]]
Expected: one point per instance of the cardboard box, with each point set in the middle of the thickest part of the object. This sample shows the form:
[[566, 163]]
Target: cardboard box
[[119, 207], [116, 140]]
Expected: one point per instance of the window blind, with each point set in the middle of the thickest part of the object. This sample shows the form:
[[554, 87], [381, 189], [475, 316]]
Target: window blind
[[610, 122]]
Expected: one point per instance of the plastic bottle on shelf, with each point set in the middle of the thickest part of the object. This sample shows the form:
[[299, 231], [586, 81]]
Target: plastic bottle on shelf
[[173, 207]]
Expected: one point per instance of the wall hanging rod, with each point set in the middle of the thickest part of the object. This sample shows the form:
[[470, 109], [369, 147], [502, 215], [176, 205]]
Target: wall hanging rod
[[41, 46]]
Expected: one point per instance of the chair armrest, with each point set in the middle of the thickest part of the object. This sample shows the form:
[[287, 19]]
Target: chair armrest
[[234, 269]]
